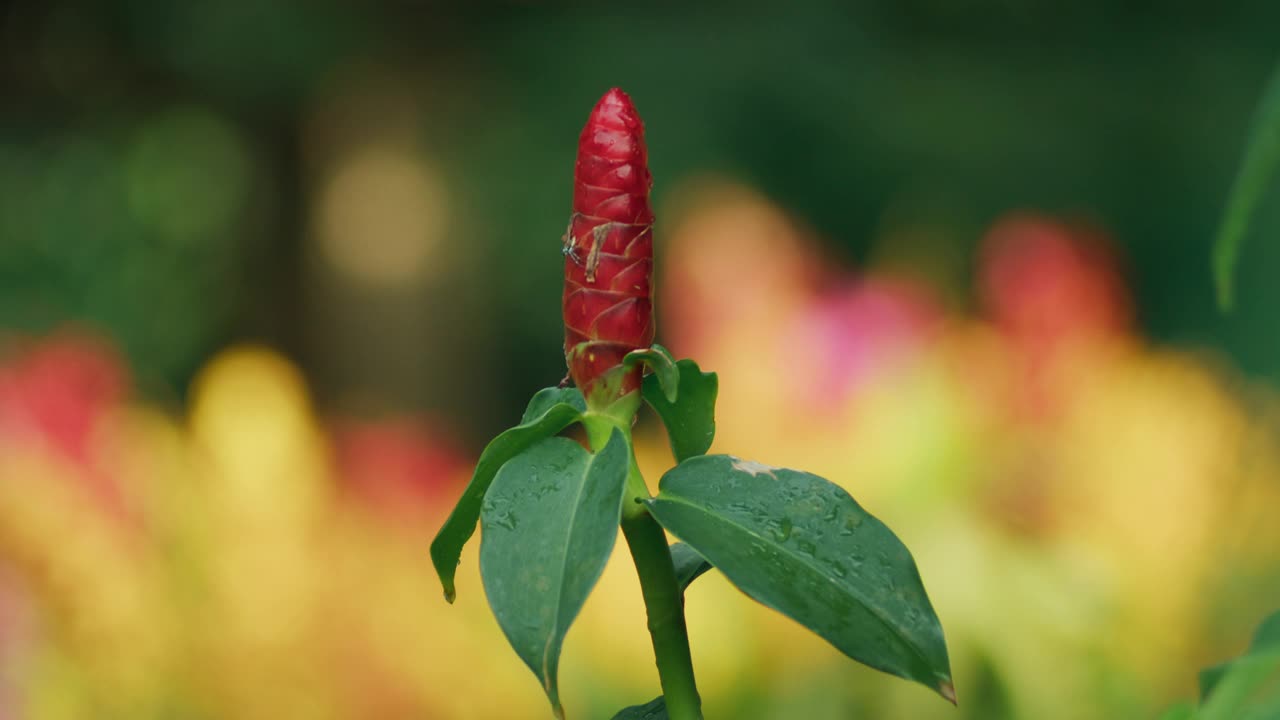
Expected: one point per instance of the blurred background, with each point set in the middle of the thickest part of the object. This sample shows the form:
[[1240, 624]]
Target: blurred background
[[272, 273]]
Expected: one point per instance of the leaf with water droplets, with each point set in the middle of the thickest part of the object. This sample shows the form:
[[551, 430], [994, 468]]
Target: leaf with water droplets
[[549, 523], [550, 411], [691, 418], [655, 709], [800, 545]]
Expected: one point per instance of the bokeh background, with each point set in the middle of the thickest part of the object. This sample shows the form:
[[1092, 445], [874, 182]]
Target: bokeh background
[[272, 273]]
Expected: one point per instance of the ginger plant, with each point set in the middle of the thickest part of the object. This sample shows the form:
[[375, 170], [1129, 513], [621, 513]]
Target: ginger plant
[[550, 509]]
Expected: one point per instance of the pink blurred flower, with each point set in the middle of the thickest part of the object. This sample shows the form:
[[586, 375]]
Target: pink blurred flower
[[845, 337]]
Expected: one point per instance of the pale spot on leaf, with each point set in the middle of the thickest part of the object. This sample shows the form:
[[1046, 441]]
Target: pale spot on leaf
[[754, 468]]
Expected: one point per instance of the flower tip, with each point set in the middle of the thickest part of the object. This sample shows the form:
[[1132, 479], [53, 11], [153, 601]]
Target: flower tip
[[615, 96], [613, 106]]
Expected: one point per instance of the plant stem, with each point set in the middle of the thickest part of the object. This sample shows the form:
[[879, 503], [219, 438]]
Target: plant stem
[[599, 427], [663, 600], [664, 604]]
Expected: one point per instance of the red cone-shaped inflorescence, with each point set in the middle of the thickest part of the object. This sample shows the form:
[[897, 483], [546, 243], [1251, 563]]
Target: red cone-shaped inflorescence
[[608, 269]]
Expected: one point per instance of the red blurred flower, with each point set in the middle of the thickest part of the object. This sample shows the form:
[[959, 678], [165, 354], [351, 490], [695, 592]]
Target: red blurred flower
[[1045, 282], [402, 468], [1055, 293], [54, 392]]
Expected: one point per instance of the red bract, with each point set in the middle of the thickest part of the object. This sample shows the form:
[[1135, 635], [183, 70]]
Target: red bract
[[608, 268]]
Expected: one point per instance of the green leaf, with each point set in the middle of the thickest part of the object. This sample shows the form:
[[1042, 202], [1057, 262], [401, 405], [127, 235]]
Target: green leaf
[[1257, 169], [550, 521], [1248, 683], [665, 372], [1265, 709], [800, 545], [1265, 638], [1209, 678], [689, 564], [550, 411], [546, 398], [1183, 711], [690, 422], [655, 709]]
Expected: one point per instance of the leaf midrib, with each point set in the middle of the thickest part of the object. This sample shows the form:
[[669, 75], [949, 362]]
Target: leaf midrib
[[878, 615], [460, 526], [564, 566]]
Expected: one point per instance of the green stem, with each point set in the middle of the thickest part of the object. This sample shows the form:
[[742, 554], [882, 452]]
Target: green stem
[[665, 606], [663, 600], [599, 427]]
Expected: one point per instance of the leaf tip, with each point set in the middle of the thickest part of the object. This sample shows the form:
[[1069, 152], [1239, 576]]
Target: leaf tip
[[672, 393], [947, 691], [446, 583]]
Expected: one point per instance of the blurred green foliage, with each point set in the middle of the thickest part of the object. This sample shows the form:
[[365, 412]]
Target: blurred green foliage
[[153, 178], [1257, 173]]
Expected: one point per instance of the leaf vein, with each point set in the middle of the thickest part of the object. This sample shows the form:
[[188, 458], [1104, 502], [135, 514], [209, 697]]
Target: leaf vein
[[871, 609]]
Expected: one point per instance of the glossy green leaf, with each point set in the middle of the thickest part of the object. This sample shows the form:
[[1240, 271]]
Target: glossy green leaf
[[799, 544], [550, 521], [550, 411], [665, 373], [689, 564], [1258, 169], [690, 421], [547, 398], [655, 709]]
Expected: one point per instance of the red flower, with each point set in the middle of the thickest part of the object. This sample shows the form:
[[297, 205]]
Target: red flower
[[608, 268]]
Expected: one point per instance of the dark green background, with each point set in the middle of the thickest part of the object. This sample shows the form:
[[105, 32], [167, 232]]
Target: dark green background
[[853, 116]]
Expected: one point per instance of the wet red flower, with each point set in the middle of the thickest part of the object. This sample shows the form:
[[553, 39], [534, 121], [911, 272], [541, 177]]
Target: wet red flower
[[608, 268]]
